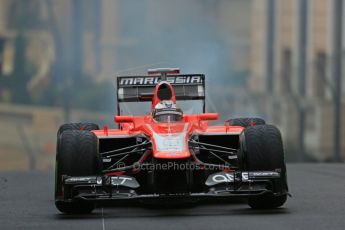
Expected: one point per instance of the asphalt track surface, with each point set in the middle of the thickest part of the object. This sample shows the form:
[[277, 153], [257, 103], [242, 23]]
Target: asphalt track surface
[[318, 202]]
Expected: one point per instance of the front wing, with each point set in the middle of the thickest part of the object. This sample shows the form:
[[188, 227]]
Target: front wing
[[221, 184]]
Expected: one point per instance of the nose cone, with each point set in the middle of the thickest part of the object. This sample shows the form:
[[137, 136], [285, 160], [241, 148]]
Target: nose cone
[[163, 92]]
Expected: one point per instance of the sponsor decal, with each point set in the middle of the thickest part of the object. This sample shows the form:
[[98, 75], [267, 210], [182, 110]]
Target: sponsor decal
[[219, 178], [119, 180], [223, 178], [265, 174], [183, 79], [80, 180], [106, 160], [227, 177], [245, 176], [232, 157], [125, 181], [175, 142]]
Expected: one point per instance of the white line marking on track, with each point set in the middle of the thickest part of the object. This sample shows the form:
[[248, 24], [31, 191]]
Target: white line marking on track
[[103, 225]]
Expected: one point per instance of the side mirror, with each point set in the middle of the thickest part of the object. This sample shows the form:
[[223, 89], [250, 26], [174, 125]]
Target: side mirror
[[123, 119], [208, 116]]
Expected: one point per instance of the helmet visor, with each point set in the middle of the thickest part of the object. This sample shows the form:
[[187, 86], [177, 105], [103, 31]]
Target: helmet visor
[[167, 115]]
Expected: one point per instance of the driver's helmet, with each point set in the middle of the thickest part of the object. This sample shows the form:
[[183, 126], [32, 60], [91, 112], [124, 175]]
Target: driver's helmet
[[166, 111]]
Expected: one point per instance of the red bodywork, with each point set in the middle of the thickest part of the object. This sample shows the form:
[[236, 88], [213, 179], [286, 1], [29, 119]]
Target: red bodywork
[[165, 155], [169, 140]]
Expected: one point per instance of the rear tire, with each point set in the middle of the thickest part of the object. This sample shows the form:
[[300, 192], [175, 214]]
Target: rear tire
[[246, 122], [263, 151], [77, 155]]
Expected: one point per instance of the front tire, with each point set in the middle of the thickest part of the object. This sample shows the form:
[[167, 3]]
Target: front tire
[[267, 201], [263, 151], [77, 126], [77, 155]]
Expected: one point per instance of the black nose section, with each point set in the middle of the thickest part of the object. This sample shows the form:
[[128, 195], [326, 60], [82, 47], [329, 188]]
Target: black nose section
[[164, 92]]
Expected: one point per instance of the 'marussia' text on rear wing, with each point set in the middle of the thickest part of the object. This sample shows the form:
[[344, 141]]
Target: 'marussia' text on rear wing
[[141, 88]]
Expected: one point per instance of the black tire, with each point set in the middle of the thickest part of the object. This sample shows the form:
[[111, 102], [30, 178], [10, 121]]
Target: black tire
[[246, 122], [77, 126], [267, 201], [77, 155], [263, 150]]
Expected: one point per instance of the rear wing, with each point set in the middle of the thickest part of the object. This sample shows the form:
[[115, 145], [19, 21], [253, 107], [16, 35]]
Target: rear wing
[[141, 88]]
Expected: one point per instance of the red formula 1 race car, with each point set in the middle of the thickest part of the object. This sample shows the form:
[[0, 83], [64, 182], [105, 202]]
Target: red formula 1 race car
[[168, 155]]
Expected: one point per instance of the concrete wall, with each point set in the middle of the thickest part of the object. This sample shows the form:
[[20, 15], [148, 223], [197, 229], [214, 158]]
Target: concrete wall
[[31, 130]]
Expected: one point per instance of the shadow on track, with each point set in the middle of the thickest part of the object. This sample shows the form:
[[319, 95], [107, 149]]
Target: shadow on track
[[176, 210]]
